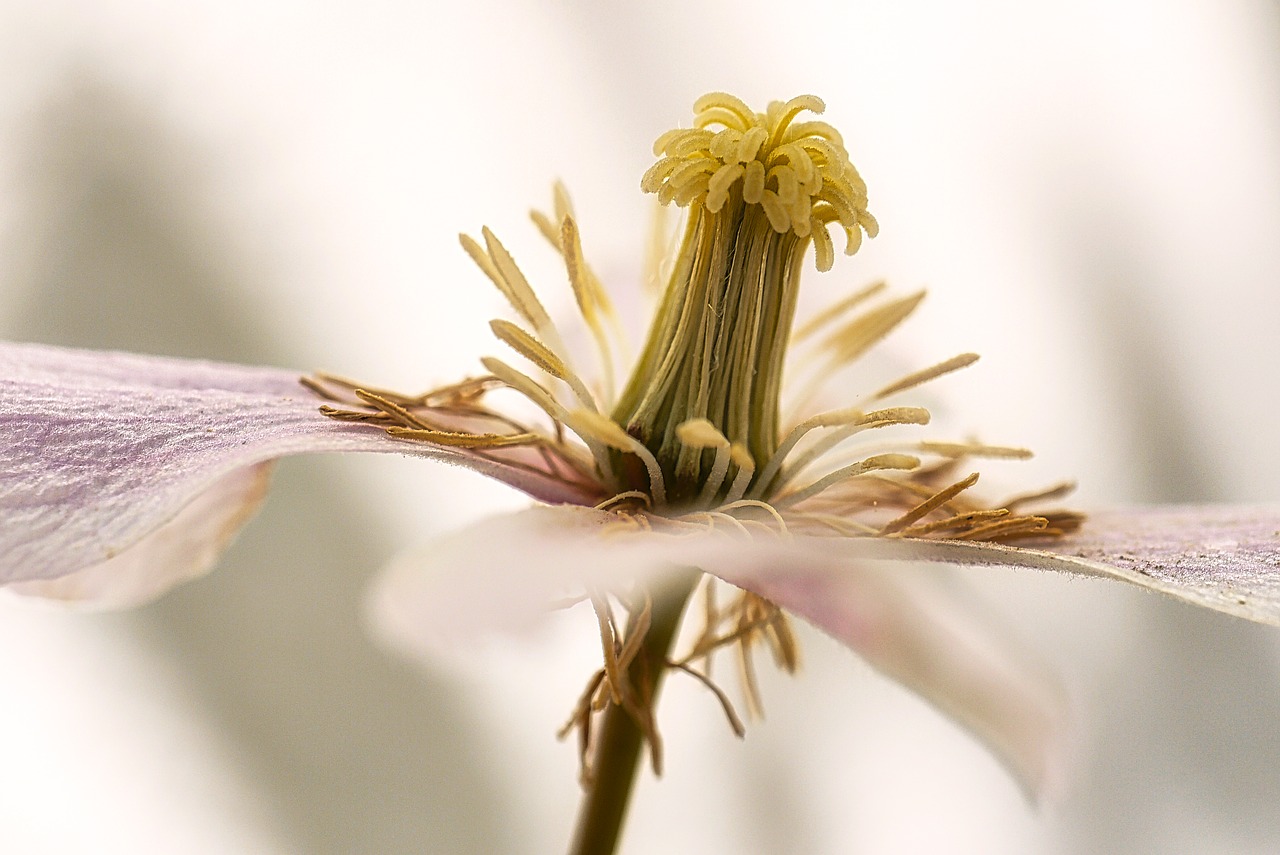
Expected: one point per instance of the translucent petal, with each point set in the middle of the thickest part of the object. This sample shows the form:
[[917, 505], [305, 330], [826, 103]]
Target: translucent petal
[[503, 575]]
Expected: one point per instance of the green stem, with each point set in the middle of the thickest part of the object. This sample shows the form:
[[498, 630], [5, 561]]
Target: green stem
[[619, 741]]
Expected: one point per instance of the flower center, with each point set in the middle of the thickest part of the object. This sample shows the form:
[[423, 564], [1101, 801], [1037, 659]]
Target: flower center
[[759, 190]]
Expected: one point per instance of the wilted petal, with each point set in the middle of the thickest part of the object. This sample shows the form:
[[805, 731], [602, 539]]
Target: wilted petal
[[503, 575], [99, 451]]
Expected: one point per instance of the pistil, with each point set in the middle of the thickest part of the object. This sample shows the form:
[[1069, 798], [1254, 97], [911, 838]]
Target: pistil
[[759, 192]]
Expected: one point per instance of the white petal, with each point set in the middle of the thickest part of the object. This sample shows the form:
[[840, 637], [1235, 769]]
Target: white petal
[[99, 450], [504, 574]]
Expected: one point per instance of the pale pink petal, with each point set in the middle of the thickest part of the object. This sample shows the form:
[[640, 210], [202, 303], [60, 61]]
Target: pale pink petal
[[99, 450], [1222, 557], [912, 626], [182, 549], [503, 576]]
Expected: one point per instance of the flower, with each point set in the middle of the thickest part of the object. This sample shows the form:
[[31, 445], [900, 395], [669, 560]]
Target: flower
[[121, 475]]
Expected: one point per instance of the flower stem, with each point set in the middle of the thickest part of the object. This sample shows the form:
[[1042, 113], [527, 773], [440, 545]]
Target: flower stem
[[618, 751]]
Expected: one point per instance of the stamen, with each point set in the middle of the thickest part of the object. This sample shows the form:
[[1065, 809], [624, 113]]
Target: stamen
[[607, 431], [746, 464], [721, 181], [636, 632], [1057, 491], [464, 440], [764, 506], [657, 249], [921, 377], [544, 400], [561, 204], [747, 674], [712, 517], [527, 386], [616, 685], [963, 449], [592, 299], [929, 505], [711, 619], [850, 421], [614, 501], [841, 526], [591, 296], [748, 606], [352, 415], [546, 228], [700, 433], [581, 719], [529, 347], [406, 418], [739, 729], [465, 392], [609, 646], [871, 464], [501, 269], [1006, 528], [824, 250], [856, 337], [958, 521], [538, 353], [786, 650], [791, 109], [799, 130]]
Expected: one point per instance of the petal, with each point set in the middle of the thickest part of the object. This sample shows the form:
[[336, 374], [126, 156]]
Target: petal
[[99, 451], [182, 549], [911, 625], [1222, 557], [504, 574]]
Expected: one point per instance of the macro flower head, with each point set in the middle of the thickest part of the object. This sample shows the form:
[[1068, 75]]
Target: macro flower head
[[124, 474]]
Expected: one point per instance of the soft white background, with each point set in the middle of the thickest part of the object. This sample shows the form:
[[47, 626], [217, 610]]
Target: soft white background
[[1090, 190]]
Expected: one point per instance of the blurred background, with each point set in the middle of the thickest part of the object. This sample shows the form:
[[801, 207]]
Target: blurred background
[[1091, 191]]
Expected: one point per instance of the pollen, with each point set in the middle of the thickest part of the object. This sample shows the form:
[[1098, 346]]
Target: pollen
[[799, 173]]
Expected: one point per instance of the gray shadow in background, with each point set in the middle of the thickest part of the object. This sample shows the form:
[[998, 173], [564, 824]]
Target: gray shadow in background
[[1185, 754], [357, 752], [1167, 462]]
